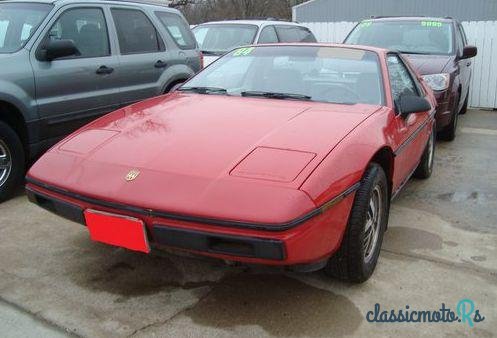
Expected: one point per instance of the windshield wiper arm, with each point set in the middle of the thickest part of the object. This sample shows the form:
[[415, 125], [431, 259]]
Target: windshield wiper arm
[[211, 52], [273, 95], [203, 90], [409, 52]]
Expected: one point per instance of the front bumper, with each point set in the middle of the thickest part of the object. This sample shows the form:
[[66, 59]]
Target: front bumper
[[312, 239]]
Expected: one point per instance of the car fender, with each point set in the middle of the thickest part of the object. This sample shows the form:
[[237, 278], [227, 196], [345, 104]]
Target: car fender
[[19, 98], [345, 165], [174, 73]]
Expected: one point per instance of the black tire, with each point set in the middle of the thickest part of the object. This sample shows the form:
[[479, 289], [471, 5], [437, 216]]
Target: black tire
[[12, 161], [464, 108], [351, 262], [449, 132], [425, 167]]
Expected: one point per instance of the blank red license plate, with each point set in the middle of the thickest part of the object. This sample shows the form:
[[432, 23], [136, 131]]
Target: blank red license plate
[[123, 231]]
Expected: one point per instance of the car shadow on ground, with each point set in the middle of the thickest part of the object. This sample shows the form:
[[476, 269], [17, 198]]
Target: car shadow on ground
[[239, 296]]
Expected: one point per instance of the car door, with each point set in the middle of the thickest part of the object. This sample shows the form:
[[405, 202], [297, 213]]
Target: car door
[[412, 132], [73, 90], [142, 54], [464, 65]]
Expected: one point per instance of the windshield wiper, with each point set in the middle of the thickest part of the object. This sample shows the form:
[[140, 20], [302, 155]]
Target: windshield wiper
[[273, 95], [409, 52], [204, 90]]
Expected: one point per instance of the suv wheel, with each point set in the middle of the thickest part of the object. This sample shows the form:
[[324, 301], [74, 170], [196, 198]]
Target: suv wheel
[[356, 259], [11, 161]]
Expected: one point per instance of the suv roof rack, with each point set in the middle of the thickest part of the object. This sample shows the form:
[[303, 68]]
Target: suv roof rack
[[145, 2], [264, 18]]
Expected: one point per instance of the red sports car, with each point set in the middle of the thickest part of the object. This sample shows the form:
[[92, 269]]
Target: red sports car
[[275, 154]]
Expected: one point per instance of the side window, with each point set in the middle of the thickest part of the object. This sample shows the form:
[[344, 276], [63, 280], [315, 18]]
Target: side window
[[135, 32], [306, 35], [86, 27], [178, 29], [268, 35], [294, 34], [400, 78]]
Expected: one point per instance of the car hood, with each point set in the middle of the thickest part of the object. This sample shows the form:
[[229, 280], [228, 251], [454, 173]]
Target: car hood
[[205, 155], [429, 64]]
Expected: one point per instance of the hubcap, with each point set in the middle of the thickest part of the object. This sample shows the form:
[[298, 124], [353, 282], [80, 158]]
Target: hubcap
[[5, 163], [373, 221]]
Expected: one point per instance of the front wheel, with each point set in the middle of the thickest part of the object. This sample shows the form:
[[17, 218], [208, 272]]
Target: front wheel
[[425, 167], [356, 259], [11, 161]]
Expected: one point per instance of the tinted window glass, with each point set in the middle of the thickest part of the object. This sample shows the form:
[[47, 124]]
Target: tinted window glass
[[86, 27], [268, 35], [223, 37], [294, 34], [422, 37], [135, 32], [400, 78], [178, 29], [324, 74], [18, 21]]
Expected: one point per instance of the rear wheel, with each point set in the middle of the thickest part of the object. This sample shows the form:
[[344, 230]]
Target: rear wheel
[[11, 161], [356, 259]]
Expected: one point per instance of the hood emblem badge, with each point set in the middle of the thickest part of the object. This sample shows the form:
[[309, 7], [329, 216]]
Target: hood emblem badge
[[132, 175]]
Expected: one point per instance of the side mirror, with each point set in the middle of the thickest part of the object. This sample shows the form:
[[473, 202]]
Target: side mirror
[[469, 52], [56, 49], [410, 104]]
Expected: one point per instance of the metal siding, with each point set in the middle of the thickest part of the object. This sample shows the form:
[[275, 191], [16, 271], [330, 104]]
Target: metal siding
[[355, 10]]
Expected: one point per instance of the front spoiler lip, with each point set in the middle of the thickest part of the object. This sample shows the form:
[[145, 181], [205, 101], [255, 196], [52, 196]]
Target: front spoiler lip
[[196, 219]]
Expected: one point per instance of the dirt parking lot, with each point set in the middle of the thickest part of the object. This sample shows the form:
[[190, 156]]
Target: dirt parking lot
[[441, 247]]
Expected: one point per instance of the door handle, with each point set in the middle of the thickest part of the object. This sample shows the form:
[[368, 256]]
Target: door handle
[[160, 64], [468, 63], [104, 70]]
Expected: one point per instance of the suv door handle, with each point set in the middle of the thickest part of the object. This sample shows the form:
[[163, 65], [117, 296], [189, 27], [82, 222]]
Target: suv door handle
[[104, 70], [160, 64]]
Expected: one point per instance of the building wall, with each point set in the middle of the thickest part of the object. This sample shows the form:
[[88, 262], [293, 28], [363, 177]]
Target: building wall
[[355, 10], [481, 34]]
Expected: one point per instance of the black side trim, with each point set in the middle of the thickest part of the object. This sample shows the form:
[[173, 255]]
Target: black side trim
[[413, 135], [196, 219], [67, 210], [220, 244]]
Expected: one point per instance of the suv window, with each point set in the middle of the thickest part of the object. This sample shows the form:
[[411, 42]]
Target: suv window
[[178, 29], [294, 34], [135, 32], [18, 21], [400, 78], [86, 27], [268, 35]]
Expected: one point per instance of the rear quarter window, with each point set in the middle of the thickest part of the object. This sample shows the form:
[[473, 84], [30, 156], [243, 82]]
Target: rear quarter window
[[294, 34], [178, 29]]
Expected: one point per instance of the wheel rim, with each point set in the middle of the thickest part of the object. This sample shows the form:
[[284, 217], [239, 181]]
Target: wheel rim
[[431, 150], [373, 221], [5, 163]]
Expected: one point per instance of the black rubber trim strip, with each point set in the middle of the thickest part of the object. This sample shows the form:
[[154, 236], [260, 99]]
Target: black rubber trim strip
[[242, 246], [413, 135], [195, 219], [64, 209]]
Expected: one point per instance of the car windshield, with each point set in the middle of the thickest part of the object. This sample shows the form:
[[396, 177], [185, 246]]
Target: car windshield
[[18, 21], [220, 38], [313, 73], [410, 37]]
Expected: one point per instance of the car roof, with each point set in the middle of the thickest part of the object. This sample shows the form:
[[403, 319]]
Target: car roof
[[373, 49], [409, 18], [256, 22], [156, 3]]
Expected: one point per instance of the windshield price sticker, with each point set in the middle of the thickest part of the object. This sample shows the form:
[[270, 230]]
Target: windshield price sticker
[[431, 24], [243, 51], [365, 24]]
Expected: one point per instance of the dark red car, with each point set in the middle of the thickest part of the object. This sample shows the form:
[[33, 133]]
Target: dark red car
[[282, 155], [438, 50]]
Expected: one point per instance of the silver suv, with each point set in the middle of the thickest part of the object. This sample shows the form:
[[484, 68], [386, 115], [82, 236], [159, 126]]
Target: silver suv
[[66, 62], [218, 37]]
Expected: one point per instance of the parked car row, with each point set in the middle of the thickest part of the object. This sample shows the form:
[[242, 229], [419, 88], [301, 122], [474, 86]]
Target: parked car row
[[281, 152]]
